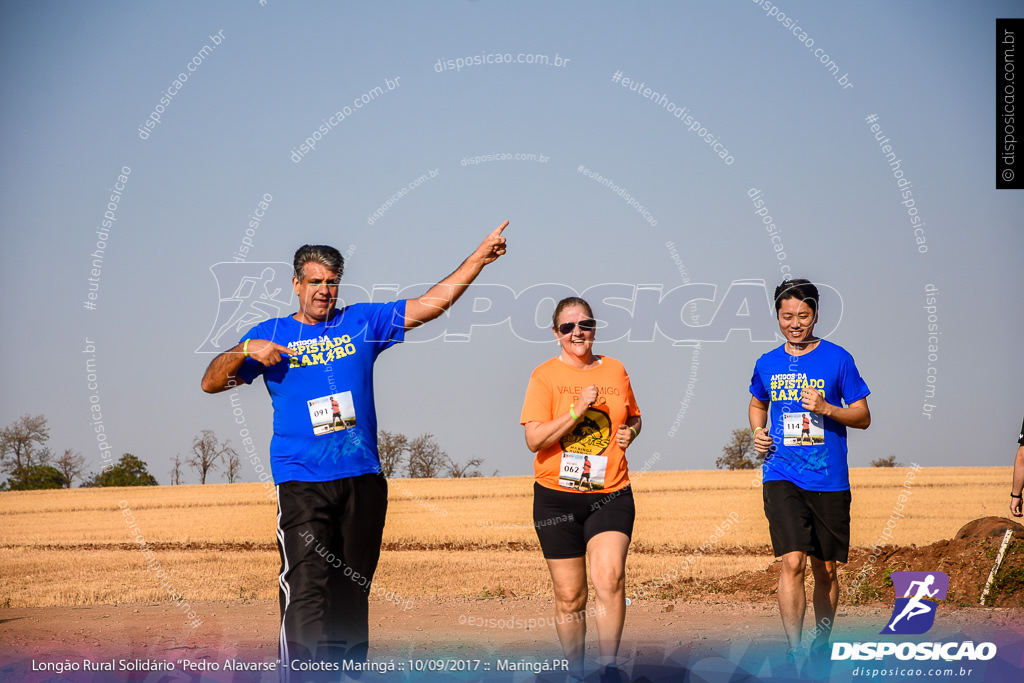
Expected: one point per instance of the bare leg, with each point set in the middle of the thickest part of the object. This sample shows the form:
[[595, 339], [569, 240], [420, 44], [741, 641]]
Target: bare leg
[[826, 599], [569, 577], [792, 598], [607, 553]]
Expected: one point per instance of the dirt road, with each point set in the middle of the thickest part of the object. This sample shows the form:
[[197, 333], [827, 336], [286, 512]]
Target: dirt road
[[500, 639]]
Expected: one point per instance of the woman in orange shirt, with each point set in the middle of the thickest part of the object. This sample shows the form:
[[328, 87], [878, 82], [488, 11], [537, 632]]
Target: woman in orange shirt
[[579, 411]]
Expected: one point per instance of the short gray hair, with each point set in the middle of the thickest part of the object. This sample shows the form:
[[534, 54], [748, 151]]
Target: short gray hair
[[326, 256]]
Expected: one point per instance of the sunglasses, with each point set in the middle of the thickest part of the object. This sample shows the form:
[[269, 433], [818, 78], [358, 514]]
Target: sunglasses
[[584, 325]]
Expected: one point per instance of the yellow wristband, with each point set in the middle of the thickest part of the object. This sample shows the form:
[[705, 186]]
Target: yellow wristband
[[634, 432], [573, 413], [756, 428], [245, 348]]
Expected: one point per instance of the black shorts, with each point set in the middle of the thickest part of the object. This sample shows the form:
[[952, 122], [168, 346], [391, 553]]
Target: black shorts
[[566, 521], [815, 522]]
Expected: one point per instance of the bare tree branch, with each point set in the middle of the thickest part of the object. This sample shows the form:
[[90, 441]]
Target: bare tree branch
[[392, 447], [471, 468], [426, 459], [71, 464], [21, 443], [207, 452], [176, 470], [234, 467]]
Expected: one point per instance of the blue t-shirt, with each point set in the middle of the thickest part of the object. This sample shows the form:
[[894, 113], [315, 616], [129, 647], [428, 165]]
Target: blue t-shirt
[[325, 422], [810, 449]]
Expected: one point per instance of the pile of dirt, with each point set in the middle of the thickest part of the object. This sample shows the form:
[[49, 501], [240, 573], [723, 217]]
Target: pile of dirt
[[988, 527], [967, 559]]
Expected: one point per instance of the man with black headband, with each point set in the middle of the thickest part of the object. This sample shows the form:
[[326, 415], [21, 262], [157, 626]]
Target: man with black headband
[[815, 392]]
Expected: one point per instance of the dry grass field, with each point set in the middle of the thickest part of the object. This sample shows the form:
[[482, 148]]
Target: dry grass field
[[444, 537]]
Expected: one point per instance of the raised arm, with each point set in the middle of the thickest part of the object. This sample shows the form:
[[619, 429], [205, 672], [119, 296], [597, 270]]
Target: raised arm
[[441, 296], [222, 372]]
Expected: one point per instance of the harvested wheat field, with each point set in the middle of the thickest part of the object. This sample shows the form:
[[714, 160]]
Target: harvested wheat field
[[444, 537], [463, 552]]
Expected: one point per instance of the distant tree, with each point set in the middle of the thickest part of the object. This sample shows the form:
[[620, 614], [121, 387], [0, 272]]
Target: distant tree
[[35, 477], [22, 445], [392, 447], [234, 467], [471, 468], [739, 453], [426, 458], [129, 471], [71, 465], [207, 451], [886, 462], [176, 470]]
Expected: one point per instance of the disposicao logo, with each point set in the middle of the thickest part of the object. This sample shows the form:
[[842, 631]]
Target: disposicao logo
[[914, 613]]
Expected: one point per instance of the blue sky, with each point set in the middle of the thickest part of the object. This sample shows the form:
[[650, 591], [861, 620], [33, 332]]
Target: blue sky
[[80, 80]]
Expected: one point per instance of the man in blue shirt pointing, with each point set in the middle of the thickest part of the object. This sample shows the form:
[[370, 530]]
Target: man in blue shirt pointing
[[332, 497]]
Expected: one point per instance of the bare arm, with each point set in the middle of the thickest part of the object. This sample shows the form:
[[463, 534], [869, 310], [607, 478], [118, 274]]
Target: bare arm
[[629, 431], [1018, 483], [441, 296], [540, 435], [855, 415], [757, 414], [222, 372]]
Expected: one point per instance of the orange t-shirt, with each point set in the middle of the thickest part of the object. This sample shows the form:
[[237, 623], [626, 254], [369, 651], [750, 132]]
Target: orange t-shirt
[[554, 387]]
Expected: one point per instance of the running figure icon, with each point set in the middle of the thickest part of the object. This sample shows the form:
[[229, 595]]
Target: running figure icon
[[916, 606]]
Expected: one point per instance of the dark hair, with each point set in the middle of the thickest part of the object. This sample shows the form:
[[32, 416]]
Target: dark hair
[[797, 289], [566, 303], [328, 257]]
